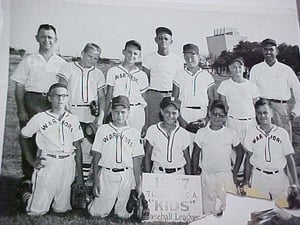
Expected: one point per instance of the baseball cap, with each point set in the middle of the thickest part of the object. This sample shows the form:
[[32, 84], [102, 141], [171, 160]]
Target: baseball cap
[[269, 41], [190, 48], [120, 100], [237, 59], [163, 30], [56, 85], [166, 101], [134, 43]]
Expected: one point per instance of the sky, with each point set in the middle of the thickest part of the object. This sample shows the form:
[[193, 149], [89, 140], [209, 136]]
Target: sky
[[110, 23]]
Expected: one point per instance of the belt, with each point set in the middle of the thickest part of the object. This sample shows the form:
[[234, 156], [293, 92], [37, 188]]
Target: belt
[[43, 94], [278, 101], [164, 92], [193, 107], [81, 105], [116, 170], [169, 170], [241, 118], [267, 172], [58, 156], [136, 104]]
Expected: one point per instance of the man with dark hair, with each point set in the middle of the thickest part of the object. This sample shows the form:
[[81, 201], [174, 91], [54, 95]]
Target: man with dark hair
[[33, 77]]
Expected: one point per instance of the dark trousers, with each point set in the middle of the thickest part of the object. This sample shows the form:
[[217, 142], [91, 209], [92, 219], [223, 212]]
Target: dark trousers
[[34, 103]]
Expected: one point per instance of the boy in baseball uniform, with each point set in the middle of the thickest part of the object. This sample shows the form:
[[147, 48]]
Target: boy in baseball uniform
[[161, 65], [269, 155], [59, 157], [86, 84], [167, 143], [194, 87], [212, 151], [128, 80], [118, 151]]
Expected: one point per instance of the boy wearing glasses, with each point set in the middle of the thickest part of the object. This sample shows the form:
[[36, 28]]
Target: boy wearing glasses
[[215, 160], [58, 137]]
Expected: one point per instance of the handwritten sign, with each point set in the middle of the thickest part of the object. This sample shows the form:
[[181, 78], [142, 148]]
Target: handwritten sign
[[173, 197]]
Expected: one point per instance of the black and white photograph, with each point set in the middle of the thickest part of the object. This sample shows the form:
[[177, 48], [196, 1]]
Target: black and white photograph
[[150, 112]]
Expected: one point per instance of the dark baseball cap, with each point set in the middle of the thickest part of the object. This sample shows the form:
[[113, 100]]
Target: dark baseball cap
[[237, 59], [120, 100], [163, 30], [190, 48], [269, 41], [166, 101], [133, 43]]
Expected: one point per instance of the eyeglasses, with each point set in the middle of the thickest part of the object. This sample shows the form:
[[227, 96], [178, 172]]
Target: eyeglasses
[[221, 115], [60, 96]]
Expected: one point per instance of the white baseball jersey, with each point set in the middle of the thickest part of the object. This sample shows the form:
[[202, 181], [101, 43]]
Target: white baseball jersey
[[128, 83], [168, 150], [162, 70], [37, 74], [83, 86], [269, 151], [54, 135], [117, 145], [216, 148], [239, 97], [275, 82]]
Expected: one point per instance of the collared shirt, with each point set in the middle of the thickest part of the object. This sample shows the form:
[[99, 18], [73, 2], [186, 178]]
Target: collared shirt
[[37, 74], [168, 149], [276, 82], [193, 87], [239, 97], [269, 150], [54, 135], [128, 83], [117, 145], [216, 148], [162, 70]]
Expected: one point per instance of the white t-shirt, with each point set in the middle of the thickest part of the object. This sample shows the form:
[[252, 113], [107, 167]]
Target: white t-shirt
[[193, 87], [239, 97], [54, 135], [117, 145], [275, 82], [269, 151], [162, 70], [37, 74], [216, 148], [128, 83], [168, 150]]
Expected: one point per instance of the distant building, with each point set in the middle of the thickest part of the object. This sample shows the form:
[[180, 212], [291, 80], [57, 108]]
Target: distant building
[[224, 39]]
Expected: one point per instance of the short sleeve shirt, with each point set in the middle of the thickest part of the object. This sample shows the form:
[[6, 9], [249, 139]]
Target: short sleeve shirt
[[54, 135], [168, 150], [216, 148], [269, 151], [117, 145], [37, 74], [128, 83]]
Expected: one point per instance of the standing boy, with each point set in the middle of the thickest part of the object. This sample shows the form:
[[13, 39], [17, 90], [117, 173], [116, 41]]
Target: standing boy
[[167, 144], [162, 66], [58, 137], [194, 87], [128, 80], [269, 152], [214, 143], [118, 151], [86, 86], [33, 77]]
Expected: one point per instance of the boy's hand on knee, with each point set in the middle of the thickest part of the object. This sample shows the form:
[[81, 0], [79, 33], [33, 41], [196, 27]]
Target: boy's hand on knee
[[38, 163]]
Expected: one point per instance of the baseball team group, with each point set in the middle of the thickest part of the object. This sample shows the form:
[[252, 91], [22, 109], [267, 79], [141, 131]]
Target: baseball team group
[[165, 116]]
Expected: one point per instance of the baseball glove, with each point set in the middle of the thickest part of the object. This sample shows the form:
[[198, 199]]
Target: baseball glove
[[194, 126], [138, 206], [294, 197], [78, 196], [94, 107]]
